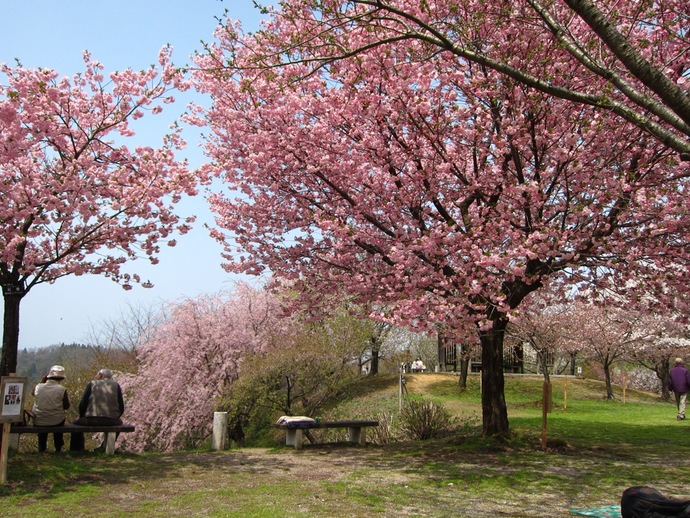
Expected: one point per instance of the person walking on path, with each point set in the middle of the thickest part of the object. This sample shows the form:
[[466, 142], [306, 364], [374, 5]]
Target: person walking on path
[[49, 406], [679, 383]]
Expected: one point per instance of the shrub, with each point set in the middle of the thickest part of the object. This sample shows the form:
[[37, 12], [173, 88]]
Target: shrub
[[302, 374], [423, 419], [384, 433]]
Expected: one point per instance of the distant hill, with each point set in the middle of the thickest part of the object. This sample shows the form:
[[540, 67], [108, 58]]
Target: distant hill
[[35, 363]]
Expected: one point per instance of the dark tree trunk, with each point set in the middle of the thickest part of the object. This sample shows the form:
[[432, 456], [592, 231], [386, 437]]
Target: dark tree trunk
[[375, 342], [607, 377], [494, 409], [542, 359], [10, 332], [374, 364], [288, 396], [464, 368], [662, 370], [519, 357], [572, 363]]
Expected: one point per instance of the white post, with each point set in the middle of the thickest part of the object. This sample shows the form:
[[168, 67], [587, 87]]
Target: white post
[[110, 443], [220, 430], [400, 390]]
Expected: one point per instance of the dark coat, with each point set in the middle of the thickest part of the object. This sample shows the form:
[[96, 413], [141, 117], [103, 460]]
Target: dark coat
[[679, 379]]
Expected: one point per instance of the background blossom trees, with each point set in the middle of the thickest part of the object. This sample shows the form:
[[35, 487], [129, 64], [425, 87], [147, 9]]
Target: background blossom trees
[[190, 360], [240, 352], [417, 179]]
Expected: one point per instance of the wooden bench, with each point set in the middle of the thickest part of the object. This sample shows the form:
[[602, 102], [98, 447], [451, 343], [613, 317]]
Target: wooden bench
[[109, 431], [295, 431]]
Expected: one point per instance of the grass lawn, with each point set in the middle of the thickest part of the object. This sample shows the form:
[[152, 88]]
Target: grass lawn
[[596, 448]]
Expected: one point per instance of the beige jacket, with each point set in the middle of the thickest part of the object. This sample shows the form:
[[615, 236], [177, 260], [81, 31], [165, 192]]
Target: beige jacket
[[50, 404]]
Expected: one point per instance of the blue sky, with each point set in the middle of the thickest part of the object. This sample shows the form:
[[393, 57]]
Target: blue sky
[[119, 34]]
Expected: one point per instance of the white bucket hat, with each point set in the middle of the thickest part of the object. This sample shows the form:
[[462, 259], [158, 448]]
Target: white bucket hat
[[57, 372]]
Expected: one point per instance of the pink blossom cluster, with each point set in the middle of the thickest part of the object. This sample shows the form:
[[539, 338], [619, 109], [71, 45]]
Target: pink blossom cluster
[[71, 186], [188, 361]]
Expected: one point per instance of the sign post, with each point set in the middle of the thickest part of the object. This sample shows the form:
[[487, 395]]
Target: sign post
[[12, 392], [565, 394], [546, 409]]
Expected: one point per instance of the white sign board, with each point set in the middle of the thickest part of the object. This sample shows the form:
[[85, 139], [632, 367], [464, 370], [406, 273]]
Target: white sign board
[[12, 391]]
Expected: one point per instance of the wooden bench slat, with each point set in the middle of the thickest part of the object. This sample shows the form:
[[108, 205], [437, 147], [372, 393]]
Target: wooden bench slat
[[110, 431], [345, 424], [326, 424], [69, 428]]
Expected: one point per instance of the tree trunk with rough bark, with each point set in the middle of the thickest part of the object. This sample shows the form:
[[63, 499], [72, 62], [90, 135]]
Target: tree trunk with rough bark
[[662, 370], [494, 409], [464, 368], [12, 296], [607, 377], [374, 365]]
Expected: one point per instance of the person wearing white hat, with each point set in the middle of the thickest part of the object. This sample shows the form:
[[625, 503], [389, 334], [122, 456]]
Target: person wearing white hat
[[51, 401], [679, 383]]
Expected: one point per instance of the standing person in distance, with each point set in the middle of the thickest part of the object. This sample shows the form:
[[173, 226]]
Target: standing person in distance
[[49, 406], [101, 404], [679, 383]]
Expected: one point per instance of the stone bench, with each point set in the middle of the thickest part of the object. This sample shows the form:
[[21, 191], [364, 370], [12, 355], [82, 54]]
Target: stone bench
[[109, 431], [295, 430]]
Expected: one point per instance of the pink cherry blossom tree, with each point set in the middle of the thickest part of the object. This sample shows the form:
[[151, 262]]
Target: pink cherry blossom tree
[[416, 180], [458, 347], [75, 198], [664, 336], [189, 361], [540, 324], [630, 58], [604, 334]]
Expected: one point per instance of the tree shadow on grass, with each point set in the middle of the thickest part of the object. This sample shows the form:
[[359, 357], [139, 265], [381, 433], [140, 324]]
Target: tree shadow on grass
[[592, 466]]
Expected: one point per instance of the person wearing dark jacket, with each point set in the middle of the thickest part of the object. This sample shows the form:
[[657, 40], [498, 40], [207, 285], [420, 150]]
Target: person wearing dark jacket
[[679, 383], [101, 404]]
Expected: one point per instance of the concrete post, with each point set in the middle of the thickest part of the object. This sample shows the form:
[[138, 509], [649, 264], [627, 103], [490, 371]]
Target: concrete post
[[220, 430], [110, 443]]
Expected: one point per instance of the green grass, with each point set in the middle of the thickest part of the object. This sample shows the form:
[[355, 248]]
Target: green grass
[[596, 448]]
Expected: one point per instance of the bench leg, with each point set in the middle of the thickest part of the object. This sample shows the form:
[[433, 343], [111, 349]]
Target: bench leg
[[110, 442], [294, 437], [14, 441], [299, 439], [357, 435]]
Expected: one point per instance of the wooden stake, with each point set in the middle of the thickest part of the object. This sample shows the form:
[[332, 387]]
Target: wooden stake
[[546, 393], [400, 390], [565, 394], [3, 451], [625, 386]]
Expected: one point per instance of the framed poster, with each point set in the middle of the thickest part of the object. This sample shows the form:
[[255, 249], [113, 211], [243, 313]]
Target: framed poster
[[12, 392]]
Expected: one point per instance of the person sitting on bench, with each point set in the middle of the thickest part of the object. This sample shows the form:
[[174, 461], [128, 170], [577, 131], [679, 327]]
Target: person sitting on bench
[[101, 404], [50, 405]]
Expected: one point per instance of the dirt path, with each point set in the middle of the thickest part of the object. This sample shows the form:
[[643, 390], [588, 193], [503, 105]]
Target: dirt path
[[378, 481]]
